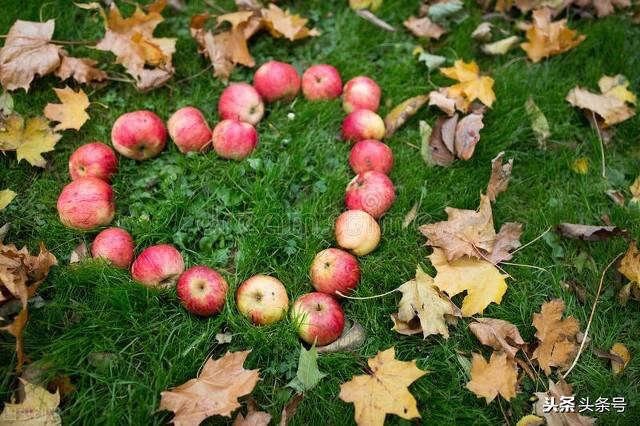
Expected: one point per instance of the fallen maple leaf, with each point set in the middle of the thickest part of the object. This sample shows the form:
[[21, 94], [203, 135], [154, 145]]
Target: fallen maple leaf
[[498, 334], [548, 38], [28, 52], [29, 140], [384, 391], [81, 70], [557, 336], [497, 377], [422, 300], [424, 27], [283, 24], [71, 113], [558, 392], [401, 113], [214, 392], [39, 407], [611, 108], [472, 86], [481, 279], [132, 41], [6, 196]]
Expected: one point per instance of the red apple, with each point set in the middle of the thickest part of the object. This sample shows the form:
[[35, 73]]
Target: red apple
[[116, 245], [371, 192], [321, 82], [362, 124], [262, 299], [241, 102], [277, 81], [158, 266], [361, 93], [318, 316], [202, 291], [86, 203], [358, 232], [334, 270], [189, 130], [139, 135], [94, 159], [235, 140], [371, 155]]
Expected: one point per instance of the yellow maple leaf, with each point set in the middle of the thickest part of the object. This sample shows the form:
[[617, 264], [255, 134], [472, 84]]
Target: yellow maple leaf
[[30, 140], [214, 392], [71, 112], [617, 86], [548, 38], [421, 299], [472, 85], [481, 279], [497, 377], [557, 336], [384, 391], [282, 23], [6, 196], [38, 407]]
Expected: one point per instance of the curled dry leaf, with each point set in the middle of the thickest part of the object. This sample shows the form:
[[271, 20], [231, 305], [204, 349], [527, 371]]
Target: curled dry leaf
[[422, 300], [82, 70], [384, 391], [468, 135], [408, 218], [71, 113], [500, 47], [560, 391], [621, 351], [424, 27], [401, 113], [351, 339], [482, 33], [439, 99], [289, 409], [438, 150], [557, 336], [615, 196], [610, 108], [281, 23], [471, 84], [546, 38], [214, 392], [369, 16], [498, 334], [27, 52], [39, 407], [29, 140], [500, 175], [576, 231], [497, 377], [539, 123], [482, 281]]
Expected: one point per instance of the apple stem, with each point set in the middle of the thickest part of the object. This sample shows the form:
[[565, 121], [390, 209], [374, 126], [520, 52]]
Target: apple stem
[[366, 298]]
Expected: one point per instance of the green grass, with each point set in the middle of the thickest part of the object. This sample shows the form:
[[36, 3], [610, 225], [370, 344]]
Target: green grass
[[122, 344]]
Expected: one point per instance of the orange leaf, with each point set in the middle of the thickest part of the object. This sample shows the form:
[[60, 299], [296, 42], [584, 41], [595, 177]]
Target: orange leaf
[[548, 38], [497, 377], [557, 336], [281, 23], [81, 70]]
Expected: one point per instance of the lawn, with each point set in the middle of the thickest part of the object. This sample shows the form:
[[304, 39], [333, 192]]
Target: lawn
[[121, 344]]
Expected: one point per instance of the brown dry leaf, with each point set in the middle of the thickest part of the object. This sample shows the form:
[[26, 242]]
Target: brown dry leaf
[[507, 239], [557, 336], [27, 52], [214, 392], [29, 140], [617, 86], [71, 113], [603, 7], [468, 135], [630, 264], [498, 334], [422, 300], [81, 70], [472, 85], [497, 377], [548, 38], [439, 99], [577, 231], [610, 108], [383, 392], [439, 151], [39, 407], [289, 409], [424, 27], [560, 391], [401, 113], [482, 281], [254, 417], [500, 175], [282, 23], [635, 190], [464, 232], [350, 340], [132, 41], [615, 196], [620, 350]]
